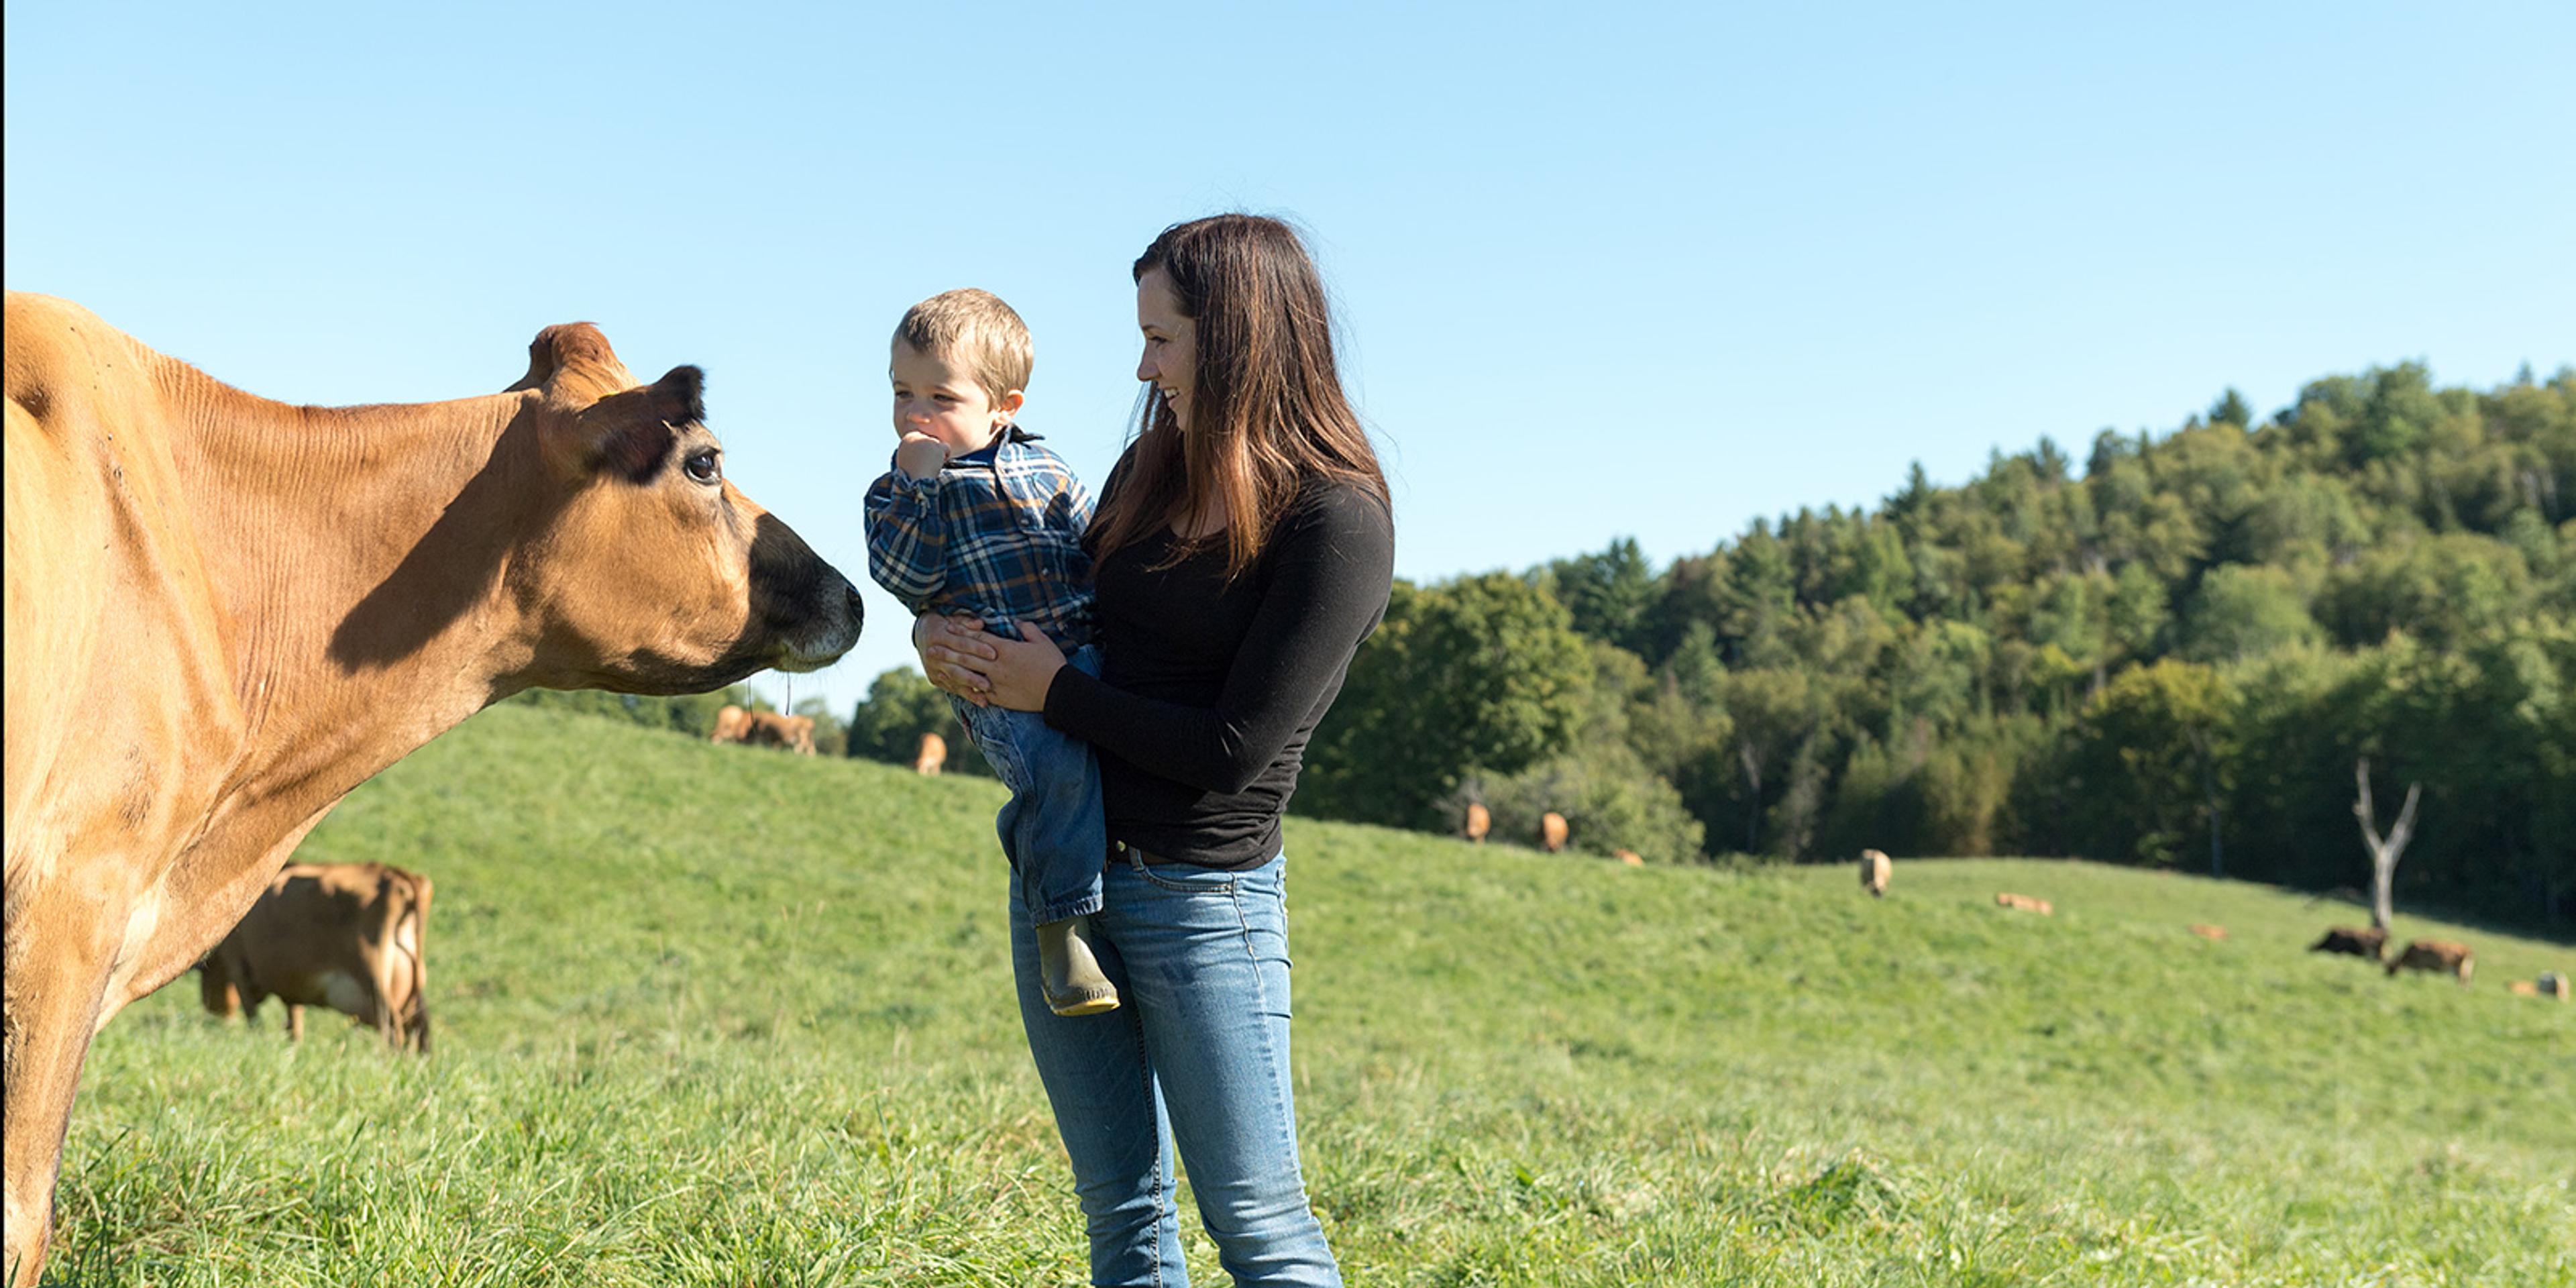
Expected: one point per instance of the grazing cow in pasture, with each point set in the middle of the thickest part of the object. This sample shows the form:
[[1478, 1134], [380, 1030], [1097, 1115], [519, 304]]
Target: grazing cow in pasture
[[2553, 984], [2367, 941], [349, 936], [774, 729], [224, 613], [1479, 822], [732, 723], [933, 754], [2024, 903], [1629, 857], [2440, 956], [1551, 832], [1874, 871], [2207, 931]]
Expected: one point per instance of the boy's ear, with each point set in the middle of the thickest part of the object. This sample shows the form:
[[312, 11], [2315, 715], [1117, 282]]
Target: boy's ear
[[630, 433]]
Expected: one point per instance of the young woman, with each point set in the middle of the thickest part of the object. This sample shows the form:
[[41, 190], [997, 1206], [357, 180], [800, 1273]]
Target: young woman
[[1243, 548]]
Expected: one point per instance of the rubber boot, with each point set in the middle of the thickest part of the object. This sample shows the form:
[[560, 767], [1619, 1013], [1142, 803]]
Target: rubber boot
[[1067, 972]]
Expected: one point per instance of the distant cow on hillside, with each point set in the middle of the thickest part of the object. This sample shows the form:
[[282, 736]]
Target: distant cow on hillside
[[349, 936], [2437, 955], [1874, 871], [2368, 941], [933, 754], [2024, 903], [1551, 832], [773, 729], [732, 723], [1479, 822]]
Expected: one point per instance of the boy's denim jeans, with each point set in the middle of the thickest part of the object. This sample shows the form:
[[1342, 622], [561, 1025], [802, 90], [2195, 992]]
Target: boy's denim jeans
[[1196, 1056], [1052, 829]]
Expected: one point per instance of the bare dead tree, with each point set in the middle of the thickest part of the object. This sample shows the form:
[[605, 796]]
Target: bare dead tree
[[2383, 851]]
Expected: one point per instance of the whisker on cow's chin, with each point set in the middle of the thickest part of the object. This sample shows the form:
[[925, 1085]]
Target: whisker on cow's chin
[[801, 657]]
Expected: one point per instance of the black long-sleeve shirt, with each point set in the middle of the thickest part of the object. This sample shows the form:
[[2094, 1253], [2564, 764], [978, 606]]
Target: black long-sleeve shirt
[[1209, 690]]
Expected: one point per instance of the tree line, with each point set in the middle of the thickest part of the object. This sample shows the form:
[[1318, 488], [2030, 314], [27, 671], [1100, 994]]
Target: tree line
[[2169, 654]]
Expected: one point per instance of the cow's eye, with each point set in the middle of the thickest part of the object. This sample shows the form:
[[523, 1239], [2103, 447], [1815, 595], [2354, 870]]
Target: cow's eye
[[702, 466]]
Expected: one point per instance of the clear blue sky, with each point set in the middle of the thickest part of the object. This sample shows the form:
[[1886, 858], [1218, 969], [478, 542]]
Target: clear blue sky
[[1646, 271]]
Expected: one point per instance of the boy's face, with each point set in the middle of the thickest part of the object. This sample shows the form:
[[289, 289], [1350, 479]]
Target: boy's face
[[935, 396]]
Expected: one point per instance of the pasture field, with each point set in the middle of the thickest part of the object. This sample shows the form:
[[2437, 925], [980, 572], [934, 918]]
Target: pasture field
[[712, 1016]]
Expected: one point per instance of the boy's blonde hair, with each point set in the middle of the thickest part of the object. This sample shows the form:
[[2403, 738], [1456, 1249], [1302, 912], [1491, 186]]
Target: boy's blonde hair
[[976, 330]]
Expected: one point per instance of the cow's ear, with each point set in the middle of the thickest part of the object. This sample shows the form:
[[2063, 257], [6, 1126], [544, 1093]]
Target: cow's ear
[[680, 396], [630, 433], [563, 347]]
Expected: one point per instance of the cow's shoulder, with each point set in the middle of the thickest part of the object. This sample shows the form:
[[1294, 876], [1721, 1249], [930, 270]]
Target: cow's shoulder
[[55, 346]]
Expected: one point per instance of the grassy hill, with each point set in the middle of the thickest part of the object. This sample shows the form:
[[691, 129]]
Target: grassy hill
[[715, 1016]]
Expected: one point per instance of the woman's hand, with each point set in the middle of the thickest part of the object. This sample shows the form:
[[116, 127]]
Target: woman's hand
[[954, 651], [1020, 670]]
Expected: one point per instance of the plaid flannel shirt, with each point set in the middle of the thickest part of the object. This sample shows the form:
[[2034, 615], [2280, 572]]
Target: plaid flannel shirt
[[996, 533]]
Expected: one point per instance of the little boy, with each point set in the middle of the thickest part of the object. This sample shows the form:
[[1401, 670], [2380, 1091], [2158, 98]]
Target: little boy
[[976, 518]]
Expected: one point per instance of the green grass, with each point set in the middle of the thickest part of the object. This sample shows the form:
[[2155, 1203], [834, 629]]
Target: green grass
[[711, 1016]]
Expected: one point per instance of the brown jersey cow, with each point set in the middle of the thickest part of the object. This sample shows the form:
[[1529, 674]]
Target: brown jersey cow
[[226, 612], [349, 936], [732, 723], [1874, 871], [1551, 832], [2440, 956], [2365, 941], [776, 729]]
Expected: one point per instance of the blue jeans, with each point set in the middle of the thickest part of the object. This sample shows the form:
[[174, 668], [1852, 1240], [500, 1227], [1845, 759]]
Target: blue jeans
[[1052, 829], [1196, 1056]]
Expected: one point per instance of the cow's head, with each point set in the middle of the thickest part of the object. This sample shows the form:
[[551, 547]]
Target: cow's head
[[655, 574]]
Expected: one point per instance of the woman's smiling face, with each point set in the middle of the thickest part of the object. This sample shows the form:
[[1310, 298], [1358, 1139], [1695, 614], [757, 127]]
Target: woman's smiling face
[[1171, 343]]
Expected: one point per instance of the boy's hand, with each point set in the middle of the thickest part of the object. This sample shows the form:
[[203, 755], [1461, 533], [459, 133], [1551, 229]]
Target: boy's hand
[[920, 455]]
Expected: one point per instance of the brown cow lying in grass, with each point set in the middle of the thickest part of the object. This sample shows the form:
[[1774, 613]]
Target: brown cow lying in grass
[[2369, 941], [2440, 955], [352, 937]]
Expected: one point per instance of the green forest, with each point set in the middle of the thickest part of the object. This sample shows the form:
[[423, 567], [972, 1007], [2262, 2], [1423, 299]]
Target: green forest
[[2172, 652]]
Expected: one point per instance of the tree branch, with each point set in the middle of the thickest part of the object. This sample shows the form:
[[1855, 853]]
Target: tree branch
[[2405, 829], [2361, 807]]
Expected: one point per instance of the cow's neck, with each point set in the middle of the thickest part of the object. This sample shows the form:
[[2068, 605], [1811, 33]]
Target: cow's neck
[[385, 625]]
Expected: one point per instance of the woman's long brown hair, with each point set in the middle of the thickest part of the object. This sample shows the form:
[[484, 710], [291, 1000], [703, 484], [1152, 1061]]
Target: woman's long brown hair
[[1267, 411]]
